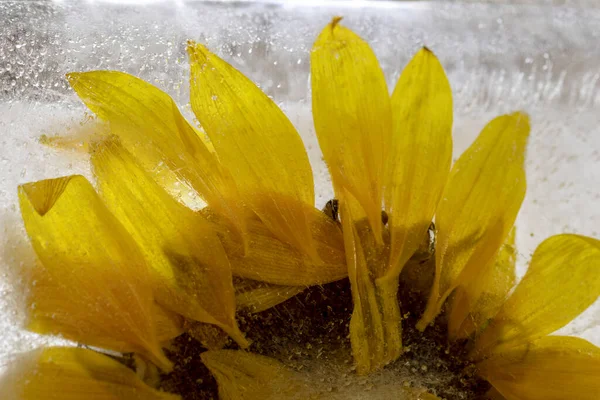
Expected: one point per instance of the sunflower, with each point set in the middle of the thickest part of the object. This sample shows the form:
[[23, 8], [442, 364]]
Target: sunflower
[[127, 268]]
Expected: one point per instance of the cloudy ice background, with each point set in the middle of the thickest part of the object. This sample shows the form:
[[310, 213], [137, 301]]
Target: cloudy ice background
[[499, 58]]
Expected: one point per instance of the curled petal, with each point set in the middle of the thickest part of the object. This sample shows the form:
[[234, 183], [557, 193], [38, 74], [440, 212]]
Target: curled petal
[[259, 145], [58, 373], [93, 285], [552, 368], [191, 270], [561, 282], [483, 195]]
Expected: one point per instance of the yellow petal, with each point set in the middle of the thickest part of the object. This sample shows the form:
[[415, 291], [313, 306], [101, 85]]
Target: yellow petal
[[477, 302], [192, 272], [168, 325], [258, 144], [375, 326], [353, 121], [149, 124], [270, 260], [561, 282], [93, 285], [68, 373], [552, 368], [483, 195], [258, 296], [247, 376], [420, 154]]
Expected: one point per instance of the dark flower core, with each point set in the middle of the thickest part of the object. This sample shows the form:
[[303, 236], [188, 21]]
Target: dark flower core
[[309, 333]]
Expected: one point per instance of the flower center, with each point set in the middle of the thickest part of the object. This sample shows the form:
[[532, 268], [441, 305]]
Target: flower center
[[309, 333]]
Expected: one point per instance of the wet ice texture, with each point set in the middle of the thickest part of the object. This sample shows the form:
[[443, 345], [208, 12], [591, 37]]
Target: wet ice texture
[[499, 58]]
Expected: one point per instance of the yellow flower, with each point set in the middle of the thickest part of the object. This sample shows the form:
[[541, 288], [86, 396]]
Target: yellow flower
[[130, 267]]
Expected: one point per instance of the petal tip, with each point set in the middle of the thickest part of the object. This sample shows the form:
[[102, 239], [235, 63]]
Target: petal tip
[[422, 325], [521, 116], [427, 53], [42, 195], [191, 46], [211, 358], [335, 21], [521, 122], [197, 51], [73, 78]]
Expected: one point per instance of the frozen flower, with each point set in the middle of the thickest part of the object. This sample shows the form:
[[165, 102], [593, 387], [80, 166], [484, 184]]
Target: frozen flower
[[130, 268]]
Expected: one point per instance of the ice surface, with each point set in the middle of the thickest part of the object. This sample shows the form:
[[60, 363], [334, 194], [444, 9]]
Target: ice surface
[[498, 57]]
